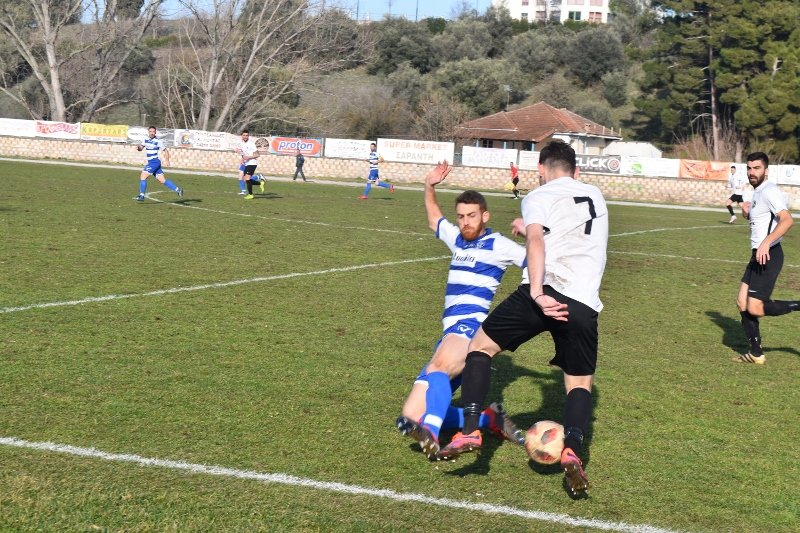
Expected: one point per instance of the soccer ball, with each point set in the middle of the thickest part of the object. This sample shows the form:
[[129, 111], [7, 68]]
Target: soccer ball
[[544, 442]]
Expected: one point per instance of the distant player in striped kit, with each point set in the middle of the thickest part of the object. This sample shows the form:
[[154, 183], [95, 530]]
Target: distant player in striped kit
[[151, 146], [480, 258], [373, 177]]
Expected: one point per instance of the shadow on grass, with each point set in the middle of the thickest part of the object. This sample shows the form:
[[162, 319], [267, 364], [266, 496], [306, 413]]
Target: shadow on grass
[[733, 336], [551, 382]]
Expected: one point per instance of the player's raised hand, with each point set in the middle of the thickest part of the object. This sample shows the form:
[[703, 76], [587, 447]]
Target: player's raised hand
[[438, 173]]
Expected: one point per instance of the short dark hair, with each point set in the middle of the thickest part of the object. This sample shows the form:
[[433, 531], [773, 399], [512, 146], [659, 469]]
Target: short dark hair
[[151, 128], [759, 156], [245, 131], [472, 197], [558, 154], [733, 166]]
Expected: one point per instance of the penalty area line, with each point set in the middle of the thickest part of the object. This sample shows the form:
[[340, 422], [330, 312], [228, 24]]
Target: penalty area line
[[342, 488], [219, 285]]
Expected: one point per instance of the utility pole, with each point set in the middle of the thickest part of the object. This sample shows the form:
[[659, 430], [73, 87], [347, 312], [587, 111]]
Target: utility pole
[[416, 12]]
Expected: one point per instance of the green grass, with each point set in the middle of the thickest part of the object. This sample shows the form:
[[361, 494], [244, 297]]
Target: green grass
[[305, 375]]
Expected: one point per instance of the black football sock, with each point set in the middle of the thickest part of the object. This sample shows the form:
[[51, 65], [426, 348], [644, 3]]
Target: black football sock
[[780, 307], [249, 184], [730, 210], [752, 331], [577, 413], [474, 388]]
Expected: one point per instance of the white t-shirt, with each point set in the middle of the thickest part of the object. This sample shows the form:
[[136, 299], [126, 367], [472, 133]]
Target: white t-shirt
[[767, 201], [575, 220], [736, 182], [248, 149]]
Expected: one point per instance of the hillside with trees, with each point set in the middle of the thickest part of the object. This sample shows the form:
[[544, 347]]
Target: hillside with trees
[[699, 79]]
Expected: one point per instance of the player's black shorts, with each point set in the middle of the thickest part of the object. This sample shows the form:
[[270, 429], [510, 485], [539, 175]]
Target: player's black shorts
[[515, 180], [736, 198], [518, 319], [249, 170], [762, 278]]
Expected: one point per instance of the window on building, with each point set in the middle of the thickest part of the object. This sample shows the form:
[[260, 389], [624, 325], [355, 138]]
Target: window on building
[[574, 15], [541, 16], [524, 2], [575, 2], [541, 2], [596, 3], [595, 16], [523, 16]]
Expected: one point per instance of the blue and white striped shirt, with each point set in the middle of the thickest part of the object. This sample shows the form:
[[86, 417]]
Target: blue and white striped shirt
[[476, 268], [373, 160], [152, 146]]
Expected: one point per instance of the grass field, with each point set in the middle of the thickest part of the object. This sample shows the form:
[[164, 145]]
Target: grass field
[[277, 338]]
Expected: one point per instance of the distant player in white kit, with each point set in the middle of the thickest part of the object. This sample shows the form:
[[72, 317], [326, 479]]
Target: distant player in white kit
[[248, 150], [770, 219], [152, 146], [736, 184]]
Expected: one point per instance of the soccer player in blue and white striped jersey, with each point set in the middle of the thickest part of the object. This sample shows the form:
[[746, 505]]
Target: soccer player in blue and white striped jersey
[[480, 258], [374, 179], [152, 146]]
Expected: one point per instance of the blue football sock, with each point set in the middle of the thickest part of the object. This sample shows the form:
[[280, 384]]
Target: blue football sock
[[437, 400], [241, 185], [367, 188], [171, 186], [142, 186], [454, 418], [384, 184]]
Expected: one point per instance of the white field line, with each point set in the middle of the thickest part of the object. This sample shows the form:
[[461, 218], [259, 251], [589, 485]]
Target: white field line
[[109, 297], [287, 479], [289, 220], [682, 257], [216, 285]]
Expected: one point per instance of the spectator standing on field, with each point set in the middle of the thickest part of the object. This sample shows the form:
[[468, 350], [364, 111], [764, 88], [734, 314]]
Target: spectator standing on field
[[770, 219], [299, 161]]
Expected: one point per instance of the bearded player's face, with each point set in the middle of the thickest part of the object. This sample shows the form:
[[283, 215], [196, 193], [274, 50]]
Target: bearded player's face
[[471, 220]]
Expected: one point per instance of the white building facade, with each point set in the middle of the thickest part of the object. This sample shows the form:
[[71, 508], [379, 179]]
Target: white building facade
[[557, 10]]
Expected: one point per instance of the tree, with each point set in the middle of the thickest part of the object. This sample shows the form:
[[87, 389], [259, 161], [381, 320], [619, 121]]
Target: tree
[[595, 52], [725, 68], [397, 41], [437, 117], [462, 39], [76, 66], [238, 62], [480, 84]]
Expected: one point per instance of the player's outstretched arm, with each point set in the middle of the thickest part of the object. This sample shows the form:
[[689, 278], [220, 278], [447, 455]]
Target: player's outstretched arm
[[433, 178]]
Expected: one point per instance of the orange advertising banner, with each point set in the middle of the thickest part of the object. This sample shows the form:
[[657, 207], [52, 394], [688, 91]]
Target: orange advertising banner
[[704, 170]]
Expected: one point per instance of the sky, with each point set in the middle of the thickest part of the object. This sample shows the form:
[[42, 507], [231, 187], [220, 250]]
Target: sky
[[376, 9]]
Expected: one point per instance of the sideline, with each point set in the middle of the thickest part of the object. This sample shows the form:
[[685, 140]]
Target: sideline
[[323, 181], [287, 479]]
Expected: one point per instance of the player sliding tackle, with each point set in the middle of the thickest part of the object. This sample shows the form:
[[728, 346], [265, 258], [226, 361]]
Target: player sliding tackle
[[566, 227], [480, 258]]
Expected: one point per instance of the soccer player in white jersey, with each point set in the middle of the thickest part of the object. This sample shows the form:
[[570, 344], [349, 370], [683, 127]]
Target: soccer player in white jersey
[[770, 219], [374, 179], [248, 150], [480, 258], [566, 227], [736, 184], [151, 146]]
